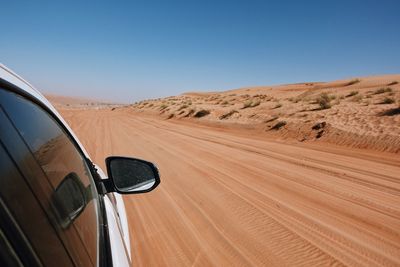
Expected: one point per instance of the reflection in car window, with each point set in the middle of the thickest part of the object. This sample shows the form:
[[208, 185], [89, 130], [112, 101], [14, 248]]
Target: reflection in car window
[[58, 157]]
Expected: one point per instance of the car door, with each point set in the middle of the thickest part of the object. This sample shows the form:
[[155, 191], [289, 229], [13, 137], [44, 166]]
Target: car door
[[55, 203]]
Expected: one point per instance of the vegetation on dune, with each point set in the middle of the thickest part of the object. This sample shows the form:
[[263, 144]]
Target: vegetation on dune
[[357, 98], [182, 107], [387, 100], [163, 106], [382, 90], [323, 100], [352, 93], [251, 103], [227, 115]]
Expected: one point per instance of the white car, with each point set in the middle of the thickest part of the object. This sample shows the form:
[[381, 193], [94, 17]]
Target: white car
[[56, 207]]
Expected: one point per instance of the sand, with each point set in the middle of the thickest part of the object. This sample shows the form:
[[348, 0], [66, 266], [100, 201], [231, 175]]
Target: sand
[[362, 112], [232, 196]]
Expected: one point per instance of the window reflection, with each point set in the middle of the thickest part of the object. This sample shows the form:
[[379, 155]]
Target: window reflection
[[58, 157]]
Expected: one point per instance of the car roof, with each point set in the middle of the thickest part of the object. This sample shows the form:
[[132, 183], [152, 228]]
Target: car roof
[[11, 77]]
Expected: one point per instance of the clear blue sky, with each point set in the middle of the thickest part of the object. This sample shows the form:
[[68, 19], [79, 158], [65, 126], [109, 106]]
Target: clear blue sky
[[125, 51]]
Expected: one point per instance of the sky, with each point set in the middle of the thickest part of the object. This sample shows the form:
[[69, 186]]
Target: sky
[[126, 51]]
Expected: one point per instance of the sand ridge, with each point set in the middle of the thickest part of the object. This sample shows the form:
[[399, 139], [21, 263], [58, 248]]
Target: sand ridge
[[359, 112]]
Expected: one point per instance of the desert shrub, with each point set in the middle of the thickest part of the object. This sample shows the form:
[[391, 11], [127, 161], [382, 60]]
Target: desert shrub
[[352, 93], [191, 111], [247, 104], [393, 83], [354, 81], [251, 103], [256, 103], [382, 90], [163, 106], [357, 98], [225, 102], [277, 106], [182, 107], [388, 100], [201, 113], [323, 101], [151, 105], [227, 115], [278, 125], [170, 116]]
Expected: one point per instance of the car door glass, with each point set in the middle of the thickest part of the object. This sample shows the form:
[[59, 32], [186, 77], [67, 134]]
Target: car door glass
[[60, 160]]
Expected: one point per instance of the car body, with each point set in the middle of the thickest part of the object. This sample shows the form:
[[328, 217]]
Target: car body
[[56, 206]]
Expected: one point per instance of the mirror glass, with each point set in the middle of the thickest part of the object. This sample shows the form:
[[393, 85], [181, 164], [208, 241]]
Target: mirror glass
[[69, 199], [132, 175]]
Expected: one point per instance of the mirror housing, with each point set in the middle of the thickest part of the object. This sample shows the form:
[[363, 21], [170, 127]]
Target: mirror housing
[[130, 176]]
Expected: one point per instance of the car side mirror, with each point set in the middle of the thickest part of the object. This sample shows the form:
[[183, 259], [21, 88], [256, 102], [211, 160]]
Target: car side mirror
[[130, 175], [69, 198]]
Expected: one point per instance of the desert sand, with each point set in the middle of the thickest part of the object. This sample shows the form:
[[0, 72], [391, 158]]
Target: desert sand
[[233, 196], [361, 112]]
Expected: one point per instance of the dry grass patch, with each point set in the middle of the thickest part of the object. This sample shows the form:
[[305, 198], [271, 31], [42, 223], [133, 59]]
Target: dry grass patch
[[227, 115], [382, 91], [251, 103], [357, 98], [182, 107], [323, 100], [352, 93], [387, 100]]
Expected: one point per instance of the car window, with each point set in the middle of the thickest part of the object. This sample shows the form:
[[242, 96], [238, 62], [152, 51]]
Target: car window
[[74, 197]]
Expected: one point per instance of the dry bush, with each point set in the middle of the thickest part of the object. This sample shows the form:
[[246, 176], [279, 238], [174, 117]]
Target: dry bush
[[387, 100], [323, 100], [382, 90], [227, 115], [393, 83], [277, 106], [352, 93], [357, 98], [163, 106], [225, 103], [256, 103], [247, 104], [191, 111], [182, 107], [251, 103]]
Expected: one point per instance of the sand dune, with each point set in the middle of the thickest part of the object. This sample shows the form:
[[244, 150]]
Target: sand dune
[[230, 198], [359, 112]]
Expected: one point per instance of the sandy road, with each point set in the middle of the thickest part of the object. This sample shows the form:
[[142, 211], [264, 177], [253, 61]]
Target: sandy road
[[232, 200]]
